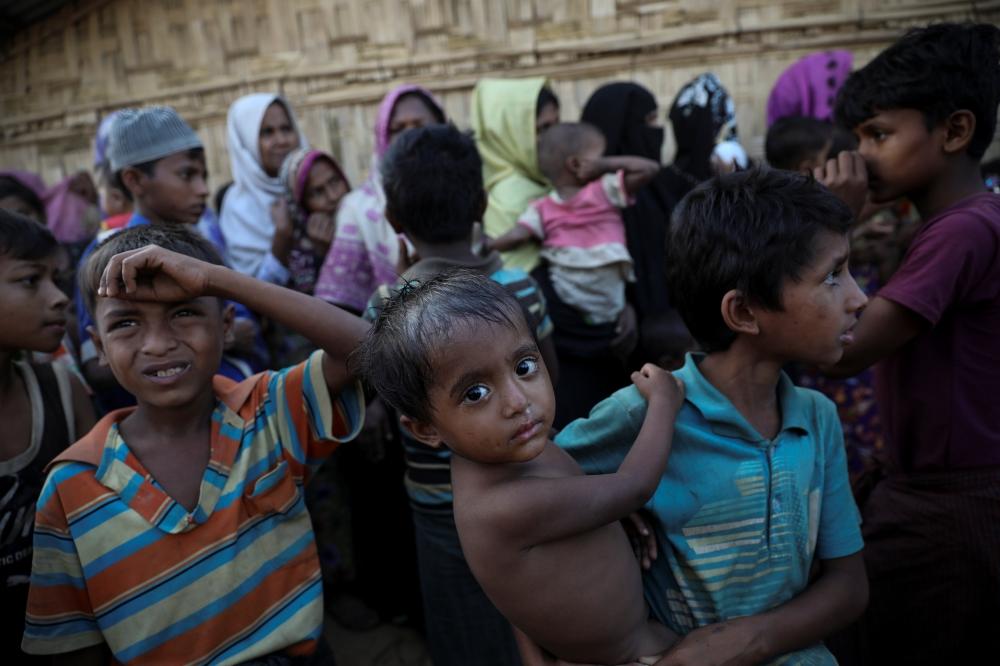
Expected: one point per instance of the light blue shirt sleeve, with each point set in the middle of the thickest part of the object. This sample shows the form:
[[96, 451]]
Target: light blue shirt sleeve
[[272, 270], [600, 442], [839, 520]]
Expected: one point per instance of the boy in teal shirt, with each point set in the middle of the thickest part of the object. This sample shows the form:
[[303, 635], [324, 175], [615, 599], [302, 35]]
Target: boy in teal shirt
[[756, 487]]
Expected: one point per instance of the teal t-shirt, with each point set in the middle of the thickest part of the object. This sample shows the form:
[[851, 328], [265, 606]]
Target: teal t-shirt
[[739, 518]]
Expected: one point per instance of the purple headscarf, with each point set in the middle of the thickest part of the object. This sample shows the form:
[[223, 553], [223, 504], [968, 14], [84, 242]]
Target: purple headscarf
[[809, 87]]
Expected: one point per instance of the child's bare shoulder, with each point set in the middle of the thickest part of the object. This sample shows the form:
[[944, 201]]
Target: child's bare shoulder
[[495, 491]]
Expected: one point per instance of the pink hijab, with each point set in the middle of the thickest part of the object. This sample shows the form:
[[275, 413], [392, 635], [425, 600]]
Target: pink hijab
[[65, 210]]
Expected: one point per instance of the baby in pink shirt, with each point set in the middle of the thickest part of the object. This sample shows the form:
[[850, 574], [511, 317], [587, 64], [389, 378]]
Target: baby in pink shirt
[[579, 223]]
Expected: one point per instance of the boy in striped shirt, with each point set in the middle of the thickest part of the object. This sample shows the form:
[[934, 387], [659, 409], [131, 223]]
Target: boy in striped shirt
[[175, 531]]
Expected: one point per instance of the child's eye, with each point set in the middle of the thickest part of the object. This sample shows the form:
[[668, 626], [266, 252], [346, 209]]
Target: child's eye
[[122, 323], [30, 280], [526, 366], [831, 278], [476, 393]]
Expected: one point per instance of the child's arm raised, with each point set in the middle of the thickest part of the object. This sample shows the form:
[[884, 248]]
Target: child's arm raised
[[154, 274], [514, 238], [538, 510], [638, 170]]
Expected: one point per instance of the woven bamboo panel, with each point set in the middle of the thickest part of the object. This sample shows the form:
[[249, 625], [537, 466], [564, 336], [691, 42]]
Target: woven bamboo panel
[[334, 59]]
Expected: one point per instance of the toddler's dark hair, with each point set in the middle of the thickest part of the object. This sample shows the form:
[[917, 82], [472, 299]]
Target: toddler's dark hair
[[23, 238], [396, 358], [561, 142], [795, 139], [174, 237], [12, 187], [751, 230], [937, 70], [433, 181]]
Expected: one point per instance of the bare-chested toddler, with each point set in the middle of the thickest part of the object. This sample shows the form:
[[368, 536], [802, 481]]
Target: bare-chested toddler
[[456, 359]]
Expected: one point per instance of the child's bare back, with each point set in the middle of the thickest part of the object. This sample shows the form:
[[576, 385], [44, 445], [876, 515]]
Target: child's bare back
[[579, 595]]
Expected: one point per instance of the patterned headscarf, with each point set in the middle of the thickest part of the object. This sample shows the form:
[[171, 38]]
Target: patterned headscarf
[[303, 264], [702, 116]]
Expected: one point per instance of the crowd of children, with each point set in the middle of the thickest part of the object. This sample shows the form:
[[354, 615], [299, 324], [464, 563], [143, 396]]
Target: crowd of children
[[494, 315]]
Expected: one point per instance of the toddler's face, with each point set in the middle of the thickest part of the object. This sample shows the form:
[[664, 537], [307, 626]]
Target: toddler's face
[[492, 400]]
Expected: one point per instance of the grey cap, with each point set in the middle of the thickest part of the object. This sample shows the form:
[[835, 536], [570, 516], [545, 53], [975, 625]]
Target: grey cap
[[147, 134]]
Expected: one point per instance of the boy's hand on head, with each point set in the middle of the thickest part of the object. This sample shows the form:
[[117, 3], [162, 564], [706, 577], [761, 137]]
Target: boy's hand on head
[[846, 176], [320, 228], [659, 386], [154, 274]]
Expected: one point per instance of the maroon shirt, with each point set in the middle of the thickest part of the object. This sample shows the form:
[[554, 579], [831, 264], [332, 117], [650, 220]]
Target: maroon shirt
[[940, 393]]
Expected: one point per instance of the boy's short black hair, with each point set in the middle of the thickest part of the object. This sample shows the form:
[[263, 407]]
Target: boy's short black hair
[[397, 356], [433, 181], [751, 230], [794, 139], [174, 237], [937, 70], [13, 187], [562, 141], [24, 238]]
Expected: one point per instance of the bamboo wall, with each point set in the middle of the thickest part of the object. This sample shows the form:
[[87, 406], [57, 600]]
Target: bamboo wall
[[334, 59]]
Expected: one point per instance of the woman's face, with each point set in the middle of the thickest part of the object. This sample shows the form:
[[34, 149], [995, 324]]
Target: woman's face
[[277, 138], [547, 116], [410, 112], [324, 188], [652, 120]]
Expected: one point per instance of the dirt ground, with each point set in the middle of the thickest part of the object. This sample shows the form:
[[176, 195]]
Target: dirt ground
[[385, 645]]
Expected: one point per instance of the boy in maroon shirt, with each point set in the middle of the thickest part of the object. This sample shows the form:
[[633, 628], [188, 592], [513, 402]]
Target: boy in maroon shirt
[[924, 112]]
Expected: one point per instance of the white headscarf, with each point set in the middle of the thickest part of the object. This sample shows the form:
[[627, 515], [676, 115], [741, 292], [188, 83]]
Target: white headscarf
[[246, 209]]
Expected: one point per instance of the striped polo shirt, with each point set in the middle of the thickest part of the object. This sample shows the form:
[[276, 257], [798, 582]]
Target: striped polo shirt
[[428, 469], [739, 518], [118, 561]]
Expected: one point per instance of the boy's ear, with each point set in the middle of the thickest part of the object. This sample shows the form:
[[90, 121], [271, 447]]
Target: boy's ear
[[959, 128], [134, 180], [738, 314], [573, 164], [425, 433], [228, 319], [98, 344]]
